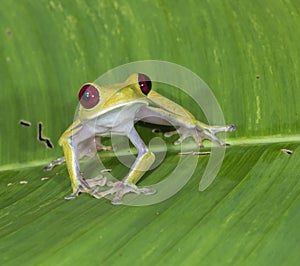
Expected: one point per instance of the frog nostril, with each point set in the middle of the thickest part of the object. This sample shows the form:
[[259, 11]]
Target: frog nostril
[[88, 96], [144, 83]]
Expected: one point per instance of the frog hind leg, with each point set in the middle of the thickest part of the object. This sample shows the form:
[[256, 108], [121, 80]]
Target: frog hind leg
[[142, 164]]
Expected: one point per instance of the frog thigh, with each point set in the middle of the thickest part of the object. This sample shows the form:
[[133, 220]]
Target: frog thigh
[[160, 116]]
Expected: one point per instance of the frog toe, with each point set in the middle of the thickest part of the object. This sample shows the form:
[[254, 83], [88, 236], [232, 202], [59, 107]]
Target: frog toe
[[99, 180], [147, 191], [90, 186], [170, 133], [231, 128], [119, 189], [75, 193], [71, 196], [102, 147], [51, 165], [185, 133]]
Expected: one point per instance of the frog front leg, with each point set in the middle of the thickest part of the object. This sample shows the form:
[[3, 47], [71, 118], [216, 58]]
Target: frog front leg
[[85, 149], [199, 132], [69, 141], [185, 123], [142, 164]]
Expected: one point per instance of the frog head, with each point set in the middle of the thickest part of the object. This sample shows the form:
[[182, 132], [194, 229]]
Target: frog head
[[96, 100]]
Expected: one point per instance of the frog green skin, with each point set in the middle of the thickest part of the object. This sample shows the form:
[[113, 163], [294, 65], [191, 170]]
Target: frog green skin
[[113, 110]]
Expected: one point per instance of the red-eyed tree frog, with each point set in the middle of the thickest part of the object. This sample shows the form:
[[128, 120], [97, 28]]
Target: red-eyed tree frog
[[114, 110]]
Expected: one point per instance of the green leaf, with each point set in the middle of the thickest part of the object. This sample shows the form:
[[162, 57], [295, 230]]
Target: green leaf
[[247, 53]]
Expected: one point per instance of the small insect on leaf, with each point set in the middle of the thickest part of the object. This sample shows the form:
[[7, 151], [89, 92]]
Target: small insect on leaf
[[286, 151]]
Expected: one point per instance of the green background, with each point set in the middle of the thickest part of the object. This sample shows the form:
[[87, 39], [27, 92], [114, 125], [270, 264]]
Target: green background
[[246, 51]]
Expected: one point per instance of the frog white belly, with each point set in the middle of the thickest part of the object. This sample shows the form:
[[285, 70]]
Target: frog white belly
[[116, 122]]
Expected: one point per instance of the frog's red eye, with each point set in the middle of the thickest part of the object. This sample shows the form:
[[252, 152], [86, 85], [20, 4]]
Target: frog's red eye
[[145, 83], [88, 96]]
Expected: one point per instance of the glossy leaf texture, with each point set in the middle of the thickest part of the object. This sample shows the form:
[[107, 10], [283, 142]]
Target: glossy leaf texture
[[248, 53]]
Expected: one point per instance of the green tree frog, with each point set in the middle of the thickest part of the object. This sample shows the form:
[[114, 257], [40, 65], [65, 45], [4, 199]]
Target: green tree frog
[[113, 110]]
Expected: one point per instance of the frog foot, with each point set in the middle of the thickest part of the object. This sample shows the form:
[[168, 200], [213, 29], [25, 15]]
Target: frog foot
[[89, 186], [119, 189], [99, 180], [199, 133], [211, 131], [186, 133]]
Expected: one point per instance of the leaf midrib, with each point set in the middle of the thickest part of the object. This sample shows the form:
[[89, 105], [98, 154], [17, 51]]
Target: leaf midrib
[[172, 148]]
